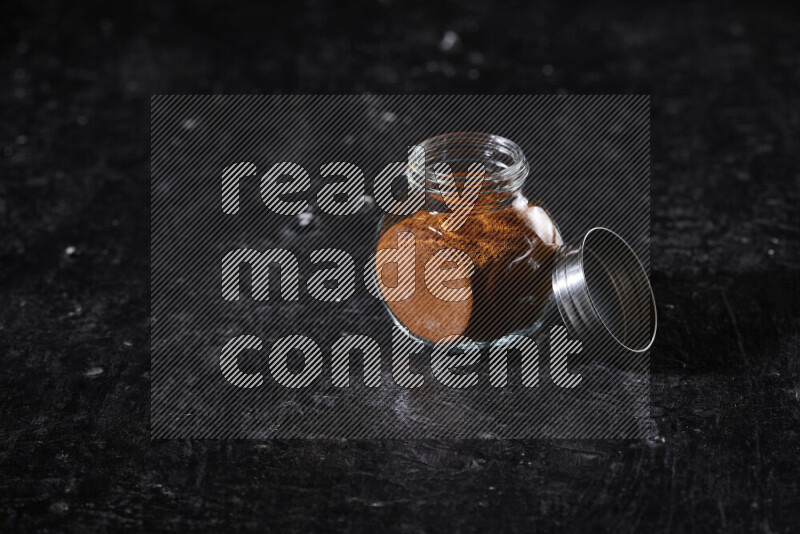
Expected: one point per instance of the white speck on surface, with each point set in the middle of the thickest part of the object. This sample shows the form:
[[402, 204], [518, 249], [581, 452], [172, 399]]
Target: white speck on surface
[[388, 116], [449, 41], [305, 218], [93, 372], [189, 124], [127, 343], [771, 252], [70, 250], [59, 507]]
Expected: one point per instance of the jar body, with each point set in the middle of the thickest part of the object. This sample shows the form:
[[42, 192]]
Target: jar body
[[512, 248]]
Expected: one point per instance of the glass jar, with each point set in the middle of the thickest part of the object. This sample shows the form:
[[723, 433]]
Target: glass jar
[[473, 204]]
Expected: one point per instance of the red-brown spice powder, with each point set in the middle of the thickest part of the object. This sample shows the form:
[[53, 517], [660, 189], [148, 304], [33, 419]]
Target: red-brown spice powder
[[512, 250]]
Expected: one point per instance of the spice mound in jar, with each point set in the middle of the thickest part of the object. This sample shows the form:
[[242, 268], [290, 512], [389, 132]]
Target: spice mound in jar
[[512, 251]]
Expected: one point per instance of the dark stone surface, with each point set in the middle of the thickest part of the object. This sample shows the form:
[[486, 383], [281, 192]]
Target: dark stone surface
[[75, 452]]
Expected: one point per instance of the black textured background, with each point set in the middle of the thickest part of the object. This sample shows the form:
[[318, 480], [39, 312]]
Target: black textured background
[[75, 452]]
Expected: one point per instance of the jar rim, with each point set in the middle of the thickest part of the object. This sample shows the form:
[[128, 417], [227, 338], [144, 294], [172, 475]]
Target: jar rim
[[509, 167]]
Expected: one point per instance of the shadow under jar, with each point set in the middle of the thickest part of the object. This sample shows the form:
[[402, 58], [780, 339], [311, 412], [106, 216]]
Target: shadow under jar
[[478, 209]]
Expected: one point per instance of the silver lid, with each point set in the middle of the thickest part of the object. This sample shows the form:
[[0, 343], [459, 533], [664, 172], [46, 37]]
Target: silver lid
[[603, 294]]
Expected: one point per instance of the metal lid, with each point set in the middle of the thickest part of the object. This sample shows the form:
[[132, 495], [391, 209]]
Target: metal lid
[[603, 294]]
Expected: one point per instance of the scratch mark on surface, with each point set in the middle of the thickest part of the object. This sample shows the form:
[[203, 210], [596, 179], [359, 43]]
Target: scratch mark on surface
[[735, 326]]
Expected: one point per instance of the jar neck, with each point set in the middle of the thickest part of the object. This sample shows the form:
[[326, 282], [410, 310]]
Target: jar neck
[[483, 170]]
